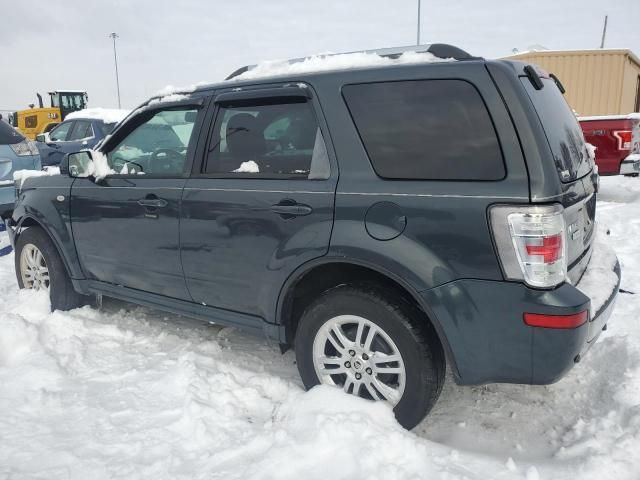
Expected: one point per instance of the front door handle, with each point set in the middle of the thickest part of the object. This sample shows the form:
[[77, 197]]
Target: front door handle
[[153, 202], [290, 208]]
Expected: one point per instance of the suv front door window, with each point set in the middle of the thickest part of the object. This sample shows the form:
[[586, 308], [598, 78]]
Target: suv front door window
[[156, 147]]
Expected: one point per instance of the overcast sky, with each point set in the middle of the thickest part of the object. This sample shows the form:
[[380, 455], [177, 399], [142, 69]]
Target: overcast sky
[[48, 45]]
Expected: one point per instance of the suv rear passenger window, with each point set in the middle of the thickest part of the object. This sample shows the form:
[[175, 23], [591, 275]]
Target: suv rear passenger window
[[426, 130], [268, 141]]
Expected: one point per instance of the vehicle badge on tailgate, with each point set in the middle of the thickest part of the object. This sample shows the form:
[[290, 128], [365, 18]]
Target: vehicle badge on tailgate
[[574, 230]]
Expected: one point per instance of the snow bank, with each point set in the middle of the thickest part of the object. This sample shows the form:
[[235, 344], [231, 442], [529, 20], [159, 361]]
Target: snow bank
[[599, 279], [107, 115], [322, 63]]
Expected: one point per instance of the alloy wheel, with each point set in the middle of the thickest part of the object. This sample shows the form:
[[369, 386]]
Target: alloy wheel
[[358, 356], [33, 268]]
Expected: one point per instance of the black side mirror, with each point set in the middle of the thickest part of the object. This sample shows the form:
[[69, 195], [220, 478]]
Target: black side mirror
[[78, 165]]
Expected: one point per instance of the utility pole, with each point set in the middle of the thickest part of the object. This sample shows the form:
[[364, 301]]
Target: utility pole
[[604, 31], [114, 35], [418, 36]]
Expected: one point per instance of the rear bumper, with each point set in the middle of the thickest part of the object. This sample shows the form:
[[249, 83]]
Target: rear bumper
[[488, 341]]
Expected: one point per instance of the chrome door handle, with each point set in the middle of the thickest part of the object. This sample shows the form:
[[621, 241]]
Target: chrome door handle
[[153, 202], [291, 209]]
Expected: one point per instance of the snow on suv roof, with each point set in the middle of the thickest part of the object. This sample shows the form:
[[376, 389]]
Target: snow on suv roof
[[345, 61], [384, 57]]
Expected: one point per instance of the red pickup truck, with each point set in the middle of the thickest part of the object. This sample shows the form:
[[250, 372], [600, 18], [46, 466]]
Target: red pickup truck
[[617, 142]]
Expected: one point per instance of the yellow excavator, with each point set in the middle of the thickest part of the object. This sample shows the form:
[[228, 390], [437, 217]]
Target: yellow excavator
[[34, 121]]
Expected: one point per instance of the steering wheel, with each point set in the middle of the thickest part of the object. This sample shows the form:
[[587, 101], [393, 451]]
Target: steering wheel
[[166, 160], [132, 167]]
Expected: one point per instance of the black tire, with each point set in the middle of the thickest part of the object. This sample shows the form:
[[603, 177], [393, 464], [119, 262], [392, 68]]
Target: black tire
[[411, 332], [61, 291]]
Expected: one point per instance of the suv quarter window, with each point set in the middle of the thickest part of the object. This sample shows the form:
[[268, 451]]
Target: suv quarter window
[[158, 146], [426, 130], [267, 139], [60, 133]]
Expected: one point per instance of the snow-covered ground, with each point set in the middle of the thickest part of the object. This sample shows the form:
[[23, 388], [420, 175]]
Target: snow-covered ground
[[128, 392]]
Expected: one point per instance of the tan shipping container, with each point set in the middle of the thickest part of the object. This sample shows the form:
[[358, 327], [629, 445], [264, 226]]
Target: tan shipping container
[[598, 82]]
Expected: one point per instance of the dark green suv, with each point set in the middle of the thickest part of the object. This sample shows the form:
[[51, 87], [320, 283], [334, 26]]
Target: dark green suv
[[383, 212]]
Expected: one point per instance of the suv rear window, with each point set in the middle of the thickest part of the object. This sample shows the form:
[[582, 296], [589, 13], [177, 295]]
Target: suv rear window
[[426, 130], [562, 129], [8, 134]]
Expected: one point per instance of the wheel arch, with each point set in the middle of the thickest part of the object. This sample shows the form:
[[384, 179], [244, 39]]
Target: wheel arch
[[29, 221], [332, 272]]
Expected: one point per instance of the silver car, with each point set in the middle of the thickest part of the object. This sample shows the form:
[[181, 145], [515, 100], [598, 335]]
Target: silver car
[[16, 153]]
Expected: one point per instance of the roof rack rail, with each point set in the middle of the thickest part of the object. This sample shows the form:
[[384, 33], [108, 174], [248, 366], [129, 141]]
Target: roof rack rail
[[440, 50]]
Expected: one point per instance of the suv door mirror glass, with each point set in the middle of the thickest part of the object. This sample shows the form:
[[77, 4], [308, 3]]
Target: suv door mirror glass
[[80, 164]]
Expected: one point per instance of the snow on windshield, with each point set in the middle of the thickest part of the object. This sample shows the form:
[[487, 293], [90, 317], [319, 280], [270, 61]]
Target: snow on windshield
[[345, 61], [107, 115]]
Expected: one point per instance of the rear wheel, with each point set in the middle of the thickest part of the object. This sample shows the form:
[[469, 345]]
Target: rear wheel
[[39, 267], [372, 346]]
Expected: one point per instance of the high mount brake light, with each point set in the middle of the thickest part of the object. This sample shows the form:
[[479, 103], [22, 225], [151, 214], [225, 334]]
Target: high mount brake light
[[531, 243]]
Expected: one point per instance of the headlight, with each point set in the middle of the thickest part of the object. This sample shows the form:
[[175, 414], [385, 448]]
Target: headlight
[[26, 147]]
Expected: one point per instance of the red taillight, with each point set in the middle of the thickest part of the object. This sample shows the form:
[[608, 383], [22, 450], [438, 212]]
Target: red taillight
[[550, 248], [624, 139], [531, 242], [556, 321]]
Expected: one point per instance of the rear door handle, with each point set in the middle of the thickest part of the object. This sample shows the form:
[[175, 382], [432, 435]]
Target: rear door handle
[[289, 208], [153, 202]]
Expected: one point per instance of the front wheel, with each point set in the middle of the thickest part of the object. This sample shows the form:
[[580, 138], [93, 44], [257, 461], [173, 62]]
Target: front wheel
[[39, 267], [373, 346]]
